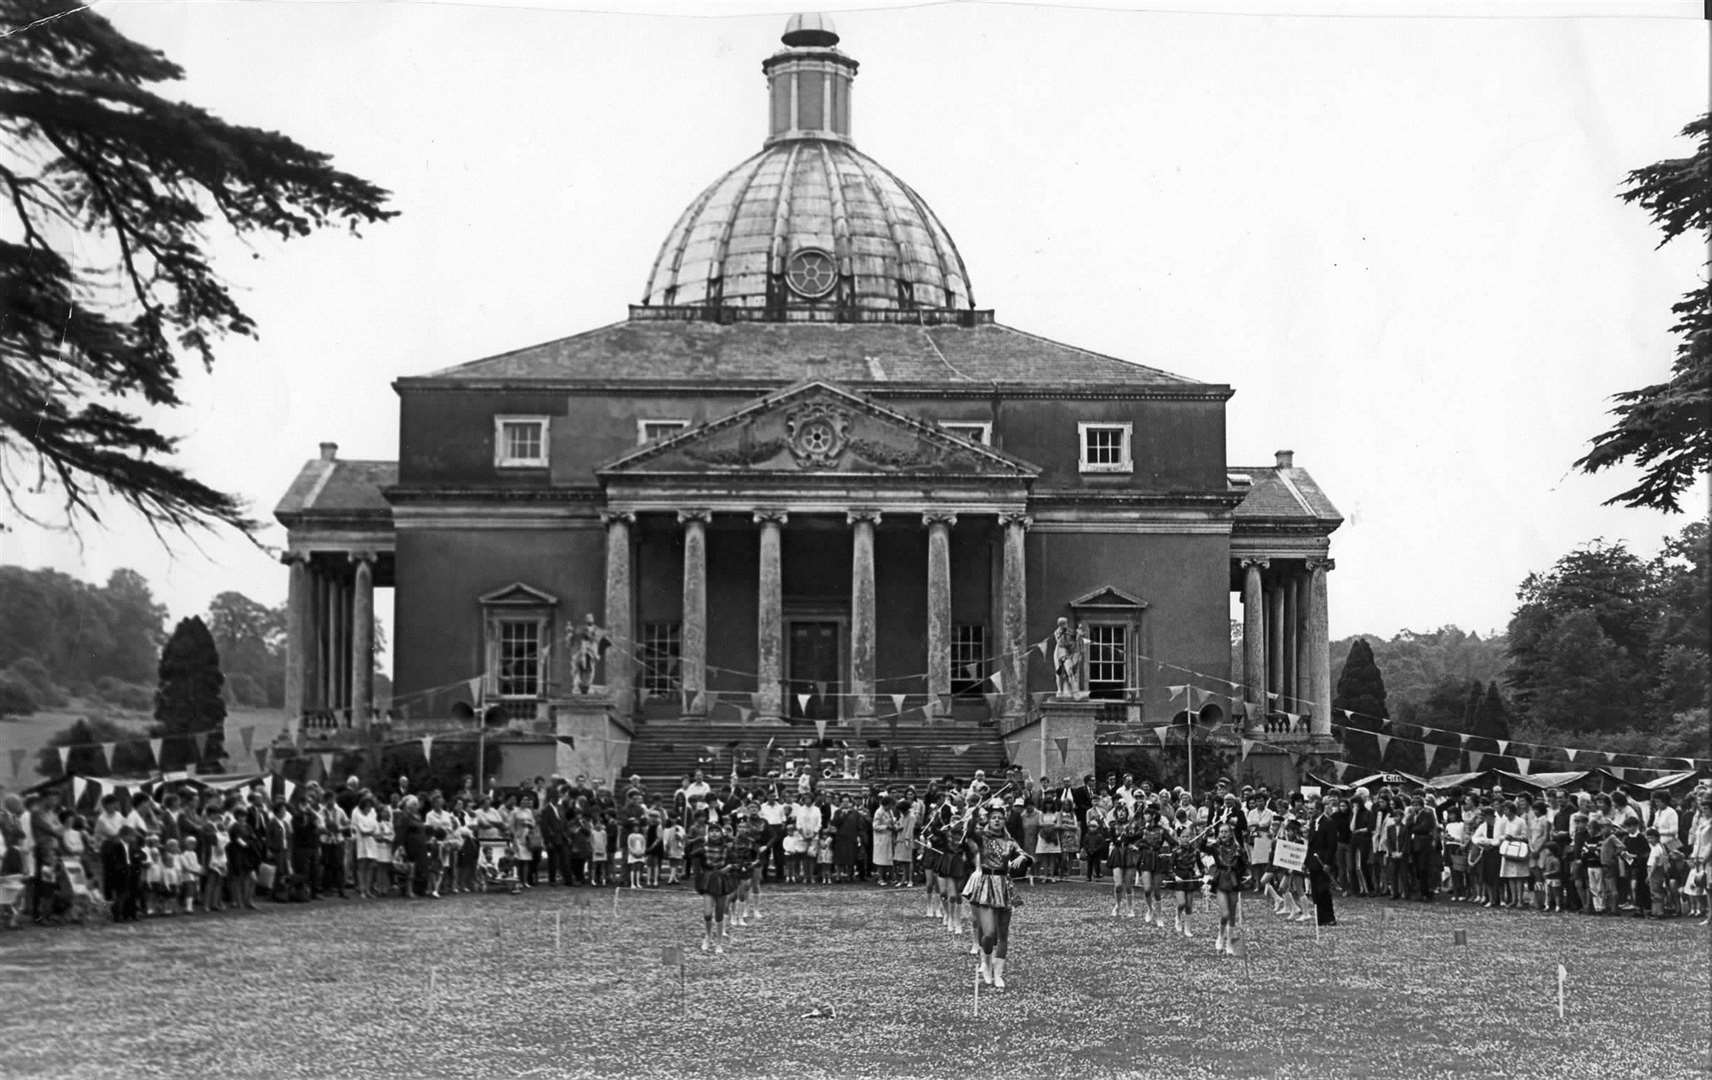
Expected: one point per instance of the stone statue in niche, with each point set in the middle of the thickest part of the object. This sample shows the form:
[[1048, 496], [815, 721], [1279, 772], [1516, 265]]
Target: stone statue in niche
[[588, 643], [1067, 642]]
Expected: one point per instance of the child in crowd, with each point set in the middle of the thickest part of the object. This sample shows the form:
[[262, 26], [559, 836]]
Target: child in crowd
[[1658, 872], [656, 848], [1610, 857], [189, 878], [672, 840], [154, 879], [214, 881], [597, 853], [1551, 872], [636, 853], [823, 856]]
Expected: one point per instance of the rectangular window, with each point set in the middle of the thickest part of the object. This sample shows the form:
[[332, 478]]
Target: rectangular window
[[649, 430], [1105, 447], [980, 432], [660, 652], [1108, 660], [519, 658], [520, 442], [968, 652]]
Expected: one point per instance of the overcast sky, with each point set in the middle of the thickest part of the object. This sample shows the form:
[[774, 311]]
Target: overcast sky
[[1398, 237]]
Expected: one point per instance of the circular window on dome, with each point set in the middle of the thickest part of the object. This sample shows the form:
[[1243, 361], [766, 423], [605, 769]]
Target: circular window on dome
[[811, 273]]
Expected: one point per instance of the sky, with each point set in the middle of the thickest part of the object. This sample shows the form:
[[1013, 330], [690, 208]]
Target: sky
[[1395, 234]]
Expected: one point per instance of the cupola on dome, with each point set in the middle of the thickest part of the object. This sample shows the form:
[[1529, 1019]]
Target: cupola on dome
[[810, 228]]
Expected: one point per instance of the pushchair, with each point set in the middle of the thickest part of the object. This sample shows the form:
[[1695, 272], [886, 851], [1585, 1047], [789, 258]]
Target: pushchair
[[496, 866], [12, 899], [81, 901]]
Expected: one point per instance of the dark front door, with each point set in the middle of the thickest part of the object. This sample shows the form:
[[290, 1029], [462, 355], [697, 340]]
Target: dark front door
[[816, 651]]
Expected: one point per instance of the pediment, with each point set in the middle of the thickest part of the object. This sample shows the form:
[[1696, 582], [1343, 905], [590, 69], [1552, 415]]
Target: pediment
[[518, 594], [1108, 597], [818, 428]]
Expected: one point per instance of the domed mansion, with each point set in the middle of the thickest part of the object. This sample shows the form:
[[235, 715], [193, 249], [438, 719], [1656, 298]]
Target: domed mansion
[[809, 505]]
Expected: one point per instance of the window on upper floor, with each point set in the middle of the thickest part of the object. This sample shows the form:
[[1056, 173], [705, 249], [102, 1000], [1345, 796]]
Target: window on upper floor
[[649, 430], [968, 658], [1106, 446], [662, 643], [520, 442], [978, 431]]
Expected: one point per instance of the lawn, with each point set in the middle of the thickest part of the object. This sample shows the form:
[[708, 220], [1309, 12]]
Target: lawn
[[847, 981]]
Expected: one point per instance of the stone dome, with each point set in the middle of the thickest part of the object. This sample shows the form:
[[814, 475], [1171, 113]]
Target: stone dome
[[810, 228]]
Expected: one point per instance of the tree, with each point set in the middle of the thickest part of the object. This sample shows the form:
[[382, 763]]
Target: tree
[[16, 698], [1586, 681], [251, 640], [85, 756], [1604, 581], [104, 280], [1361, 691], [188, 700], [1666, 428], [1491, 719]]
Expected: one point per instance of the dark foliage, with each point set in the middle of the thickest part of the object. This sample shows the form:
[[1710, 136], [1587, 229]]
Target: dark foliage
[[189, 698]]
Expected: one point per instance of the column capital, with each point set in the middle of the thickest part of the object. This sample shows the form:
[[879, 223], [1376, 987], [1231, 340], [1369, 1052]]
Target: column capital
[[939, 517], [617, 517], [1325, 564], [871, 516], [687, 516], [290, 558], [363, 557], [1016, 518], [771, 515], [1255, 562]]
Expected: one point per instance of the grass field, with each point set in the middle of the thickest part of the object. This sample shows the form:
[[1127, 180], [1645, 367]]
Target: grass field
[[341, 988]]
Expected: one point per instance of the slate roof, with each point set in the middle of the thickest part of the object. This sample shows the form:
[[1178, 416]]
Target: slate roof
[[340, 488], [1276, 494], [865, 354]]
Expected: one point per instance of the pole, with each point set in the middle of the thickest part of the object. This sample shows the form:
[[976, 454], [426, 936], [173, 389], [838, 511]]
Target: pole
[[1189, 735], [481, 754]]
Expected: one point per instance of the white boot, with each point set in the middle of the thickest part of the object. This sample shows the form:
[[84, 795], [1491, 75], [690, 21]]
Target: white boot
[[1116, 903], [1186, 931], [987, 963], [998, 973], [1219, 944]]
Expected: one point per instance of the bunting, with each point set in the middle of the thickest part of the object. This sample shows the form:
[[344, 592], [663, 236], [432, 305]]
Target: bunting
[[1620, 773], [1462, 737], [1475, 757], [107, 754], [898, 702], [427, 748], [78, 784], [1041, 645], [1177, 691], [1294, 719], [261, 759], [744, 715], [802, 701], [998, 681], [1063, 749], [327, 766], [960, 749], [820, 689], [820, 729], [1383, 741], [1247, 745], [1161, 732], [155, 749], [699, 705], [1428, 750], [992, 703], [1522, 765], [858, 724], [201, 740], [18, 755], [1571, 753], [970, 671], [247, 735], [64, 756], [475, 687], [567, 740], [1503, 746]]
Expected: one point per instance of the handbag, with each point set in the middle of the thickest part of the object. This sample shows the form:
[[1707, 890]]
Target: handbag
[[1513, 849], [265, 874]]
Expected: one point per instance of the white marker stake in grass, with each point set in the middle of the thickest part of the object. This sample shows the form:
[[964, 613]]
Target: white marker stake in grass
[[1561, 976], [977, 992], [433, 988], [557, 939]]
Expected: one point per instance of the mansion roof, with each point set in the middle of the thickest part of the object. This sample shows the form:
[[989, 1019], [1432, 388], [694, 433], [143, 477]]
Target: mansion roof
[[640, 352], [1281, 493]]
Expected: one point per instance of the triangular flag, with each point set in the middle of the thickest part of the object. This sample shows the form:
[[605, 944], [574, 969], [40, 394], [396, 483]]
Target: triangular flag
[[567, 740], [1270, 696], [78, 783], [326, 766], [898, 702], [18, 755], [1475, 757], [1571, 752], [1463, 738], [64, 756], [1041, 645], [820, 689], [1609, 757], [1063, 748], [107, 754], [1176, 691], [155, 749], [200, 738], [1247, 745], [1427, 752], [1295, 719], [998, 681], [803, 700], [427, 747], [1383, 741], [1503, 746], [744, 714], [1012, 749], [820, 728], [969, 670], [699, 705], [475, 686], [960, 749], [1338, 768], [1620, 773], [1688, 763], [1522, 765], [261, 758], [992, 702], [246, 734], [1161, 732]]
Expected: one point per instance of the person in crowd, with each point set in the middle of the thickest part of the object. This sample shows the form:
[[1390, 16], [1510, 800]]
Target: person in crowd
[[1361, 842], [1426, 863], [1229, 873], [1455, 834], [748, 838], [1152, 856], [410, 840], [216, 862], [993, 857], [710, 846], [1514, 871], [365, 823], [903, 843], [1125, 859], [883, 826], [525, 833]]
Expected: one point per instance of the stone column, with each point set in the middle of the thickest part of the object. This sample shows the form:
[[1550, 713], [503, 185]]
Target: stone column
[[1320, 646], [863, 620], [620, 660], [1275, 646], [1290, 600], [319, 586], [1015, 586], [770, 620], [340, 649], [938, 606], [1304, 660], [296, 638], [692, 665], [362, 639], [1253, 640]]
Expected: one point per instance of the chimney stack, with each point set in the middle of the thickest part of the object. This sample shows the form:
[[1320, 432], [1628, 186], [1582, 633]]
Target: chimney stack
[[329, 451], [1286, 459]]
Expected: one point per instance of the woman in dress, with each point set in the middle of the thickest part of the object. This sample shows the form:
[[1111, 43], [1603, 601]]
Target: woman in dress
[[994, 856], [1230, 872], [1514, 872], [847, 829], [526, 836], [442, 827], [1047, 849], [903, 844], [1069, 832], [1152, 863], [714, 880], [1126, 858], [412, 838], [885, 823], [1186, 877]]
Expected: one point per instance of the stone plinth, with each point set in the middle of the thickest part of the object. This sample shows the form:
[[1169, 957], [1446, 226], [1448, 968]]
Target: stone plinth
[[591, 742], [1072, 720]]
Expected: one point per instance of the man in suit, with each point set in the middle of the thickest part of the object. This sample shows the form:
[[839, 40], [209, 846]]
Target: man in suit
[[121, 873], [1322, 860], [554, 838]]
